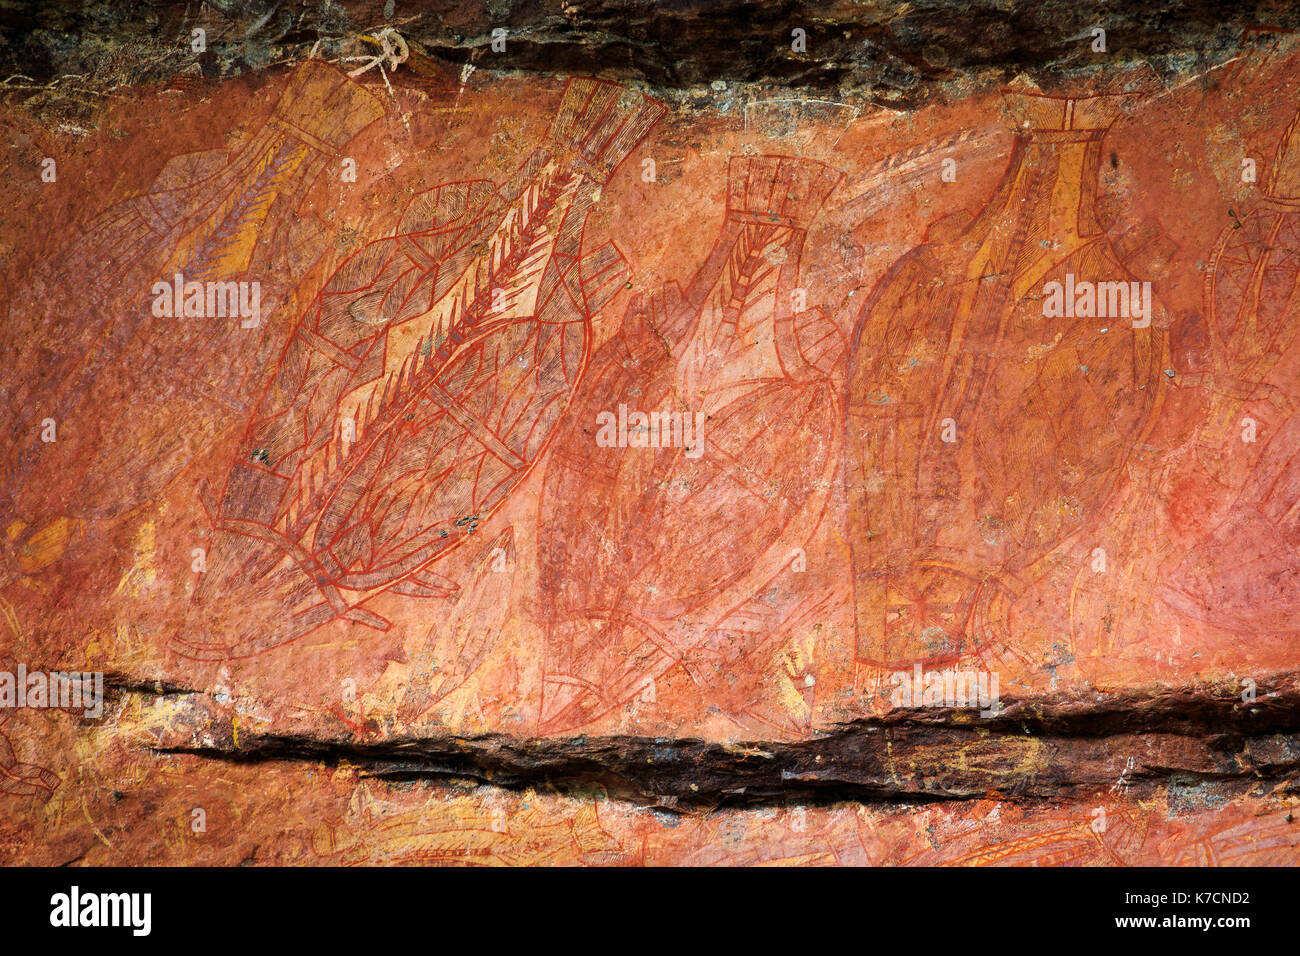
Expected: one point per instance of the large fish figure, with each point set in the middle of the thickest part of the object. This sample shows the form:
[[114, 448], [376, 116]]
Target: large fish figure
[[1242, 573], [136, 391], [985, 428], [418, 390], [644, 548]]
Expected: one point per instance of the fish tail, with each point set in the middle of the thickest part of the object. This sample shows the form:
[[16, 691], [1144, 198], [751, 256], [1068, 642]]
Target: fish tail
[[603, 122], [778, 190]]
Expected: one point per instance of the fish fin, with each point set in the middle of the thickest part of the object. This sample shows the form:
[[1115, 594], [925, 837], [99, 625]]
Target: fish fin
[[602, 273], [204, 492], [810, 346], [426, 583], [368, 618]]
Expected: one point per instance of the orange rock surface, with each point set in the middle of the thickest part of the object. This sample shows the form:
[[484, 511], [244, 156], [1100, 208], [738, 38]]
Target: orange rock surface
[[518, 415]]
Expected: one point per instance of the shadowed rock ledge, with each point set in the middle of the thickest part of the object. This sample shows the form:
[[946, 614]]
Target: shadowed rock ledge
[[897, 54]]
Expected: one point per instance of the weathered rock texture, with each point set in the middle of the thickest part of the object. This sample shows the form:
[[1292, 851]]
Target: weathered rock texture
[[900, 53], [973, 354]]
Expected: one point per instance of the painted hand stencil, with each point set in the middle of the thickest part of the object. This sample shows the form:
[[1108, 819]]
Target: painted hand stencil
[[417, 391], [644, 548], [220, 222], [991, 413]]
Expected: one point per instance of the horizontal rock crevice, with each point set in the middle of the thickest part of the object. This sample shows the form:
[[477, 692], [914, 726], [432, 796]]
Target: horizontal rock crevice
[[1133, 743]]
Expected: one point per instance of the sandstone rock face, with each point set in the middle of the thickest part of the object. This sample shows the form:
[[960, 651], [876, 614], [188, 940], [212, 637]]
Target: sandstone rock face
[[841, 447]]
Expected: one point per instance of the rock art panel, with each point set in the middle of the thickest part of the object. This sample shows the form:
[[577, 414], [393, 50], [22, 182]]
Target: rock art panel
[[466, 467]]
